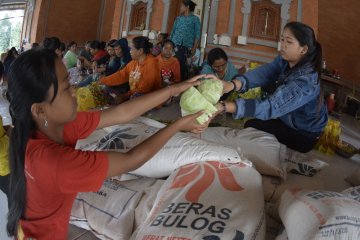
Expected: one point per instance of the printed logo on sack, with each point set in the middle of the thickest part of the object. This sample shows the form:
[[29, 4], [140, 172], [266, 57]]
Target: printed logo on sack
[[238, 236], [194, 215], [191, 172], [115, 139]]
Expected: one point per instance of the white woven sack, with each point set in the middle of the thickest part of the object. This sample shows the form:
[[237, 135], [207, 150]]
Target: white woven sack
[[207, 200]]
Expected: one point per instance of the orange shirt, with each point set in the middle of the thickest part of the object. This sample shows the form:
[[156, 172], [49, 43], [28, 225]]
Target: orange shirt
[[142, 77], [55, 174], [172, 64]]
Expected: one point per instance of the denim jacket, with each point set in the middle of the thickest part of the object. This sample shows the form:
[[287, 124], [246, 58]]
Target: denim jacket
[[295, 100]]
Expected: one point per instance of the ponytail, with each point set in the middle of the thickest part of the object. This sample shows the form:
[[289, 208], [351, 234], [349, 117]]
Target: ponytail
[[17, 197], [306, 37], [30, 78], [317, 63]]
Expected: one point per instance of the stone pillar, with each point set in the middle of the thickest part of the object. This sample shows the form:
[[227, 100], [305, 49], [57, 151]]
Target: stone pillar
[[232, 18], [165, 15], [213, 17]]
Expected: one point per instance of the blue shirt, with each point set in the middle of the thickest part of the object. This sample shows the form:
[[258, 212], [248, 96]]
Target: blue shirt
[[231, 71], [295, 101], [186, 30]]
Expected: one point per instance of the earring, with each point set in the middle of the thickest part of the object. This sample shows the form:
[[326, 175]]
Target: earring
[[46, 123]]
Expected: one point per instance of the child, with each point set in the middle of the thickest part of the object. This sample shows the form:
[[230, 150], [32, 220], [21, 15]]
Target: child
[[169, 65], [294, 110], [161, 38], [46, 171]]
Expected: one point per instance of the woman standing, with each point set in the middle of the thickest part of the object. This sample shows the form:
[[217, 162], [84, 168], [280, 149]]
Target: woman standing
[[186, 34]]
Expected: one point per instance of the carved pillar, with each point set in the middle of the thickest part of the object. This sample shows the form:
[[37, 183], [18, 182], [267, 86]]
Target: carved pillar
[[165, 15], [122, 19], [232, 18], [299, 12], [213, 16], [128, 12], [246, 9], [148, 13]]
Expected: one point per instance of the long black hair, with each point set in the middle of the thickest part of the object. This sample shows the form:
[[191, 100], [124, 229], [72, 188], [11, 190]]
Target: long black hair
[[72, 43], [52, 43], [30, 78], [142, 43], [306, 37], [124, 45], [97, 45]]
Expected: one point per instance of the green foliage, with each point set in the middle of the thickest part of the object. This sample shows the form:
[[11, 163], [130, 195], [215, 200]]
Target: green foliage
[[10, 34]]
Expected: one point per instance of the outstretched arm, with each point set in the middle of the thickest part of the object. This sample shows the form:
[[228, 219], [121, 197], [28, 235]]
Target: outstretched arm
[[120, 163], [134, 108]]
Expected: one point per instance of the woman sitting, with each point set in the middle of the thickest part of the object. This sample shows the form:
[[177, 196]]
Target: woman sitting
[[110, 54], [122, 51], [53, 44], [169, 65], [156, 50], [97, 51], [70, 58], [109, 64], [218, 64], [142, 73], [293, 110], [86, 51]]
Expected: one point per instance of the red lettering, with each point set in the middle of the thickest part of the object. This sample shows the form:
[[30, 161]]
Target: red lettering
[[153, 237]]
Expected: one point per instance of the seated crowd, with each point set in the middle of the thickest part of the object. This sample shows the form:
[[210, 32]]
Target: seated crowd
[[137, 67]]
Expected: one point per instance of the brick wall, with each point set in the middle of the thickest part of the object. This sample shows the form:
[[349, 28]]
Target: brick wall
[[67, 19], [78, 20], [339, 34], [108, 20]]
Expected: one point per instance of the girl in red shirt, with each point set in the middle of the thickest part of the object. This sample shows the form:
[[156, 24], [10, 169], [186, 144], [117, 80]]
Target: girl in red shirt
[[46, 171]]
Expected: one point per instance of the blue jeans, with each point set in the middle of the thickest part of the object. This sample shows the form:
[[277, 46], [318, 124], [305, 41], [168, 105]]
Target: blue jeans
[[87, 81]]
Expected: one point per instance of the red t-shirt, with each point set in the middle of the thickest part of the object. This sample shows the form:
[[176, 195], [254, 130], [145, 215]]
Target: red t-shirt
[[100, 54], [56, 173]]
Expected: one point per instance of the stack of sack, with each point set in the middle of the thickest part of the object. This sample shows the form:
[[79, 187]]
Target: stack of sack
[[320, 214], [123, 203]]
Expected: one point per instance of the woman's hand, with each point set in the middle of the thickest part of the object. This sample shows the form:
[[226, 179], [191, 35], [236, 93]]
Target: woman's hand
[[190, 124], [81, 58], [227, 86], [177, 89]]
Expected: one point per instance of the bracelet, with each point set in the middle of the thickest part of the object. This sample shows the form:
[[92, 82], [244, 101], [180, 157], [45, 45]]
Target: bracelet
[[234, 89], [224, 107]]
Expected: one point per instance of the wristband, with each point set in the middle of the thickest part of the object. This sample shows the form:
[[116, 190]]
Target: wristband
[[234, 89]]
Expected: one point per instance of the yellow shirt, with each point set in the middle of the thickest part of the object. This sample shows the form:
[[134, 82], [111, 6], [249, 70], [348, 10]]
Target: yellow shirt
[[4, 151]]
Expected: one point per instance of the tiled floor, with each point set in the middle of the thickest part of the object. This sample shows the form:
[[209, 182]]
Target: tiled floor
[[337, 170]]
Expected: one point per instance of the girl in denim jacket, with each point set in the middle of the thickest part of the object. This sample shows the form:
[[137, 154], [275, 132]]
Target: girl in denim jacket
[[293, 110]]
